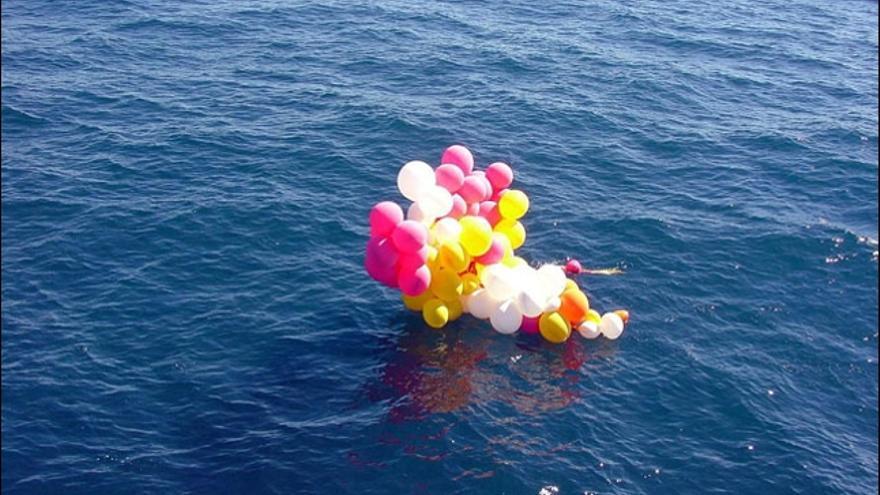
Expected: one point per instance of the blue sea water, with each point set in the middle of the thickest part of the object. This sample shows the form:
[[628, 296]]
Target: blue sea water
[[185, 189]]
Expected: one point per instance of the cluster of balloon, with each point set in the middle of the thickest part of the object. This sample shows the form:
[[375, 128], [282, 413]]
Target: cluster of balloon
[[454, 253]]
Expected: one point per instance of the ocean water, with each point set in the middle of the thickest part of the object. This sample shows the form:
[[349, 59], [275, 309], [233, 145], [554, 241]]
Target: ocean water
[[185, 189]]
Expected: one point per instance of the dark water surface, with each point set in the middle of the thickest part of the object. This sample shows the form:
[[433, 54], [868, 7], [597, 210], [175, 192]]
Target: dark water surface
[[185, 191]]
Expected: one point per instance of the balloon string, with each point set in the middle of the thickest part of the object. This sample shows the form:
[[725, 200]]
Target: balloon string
[[602, 271]]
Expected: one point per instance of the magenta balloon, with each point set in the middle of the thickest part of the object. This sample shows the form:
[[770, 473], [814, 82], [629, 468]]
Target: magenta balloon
[[411, 261], [409, 236], [414, 282], [573, 267], [459, 207], [471, 189], [489, 211], [497, 194], [494, 254], [500, 175], [449, 177], [459, 156], [381, 260], [529, 325], [384, 217]]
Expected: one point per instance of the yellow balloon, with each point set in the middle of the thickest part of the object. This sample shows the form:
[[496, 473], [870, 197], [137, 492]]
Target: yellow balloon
[[446, 285], [513, 204], [470, 282], [476, 235], [433, 260], [553, 327], [513, 230], [570, 284], [479, 267], [455, 309], [415, 303], [453, 257], [594, 316], [436, 313], [514, 261]]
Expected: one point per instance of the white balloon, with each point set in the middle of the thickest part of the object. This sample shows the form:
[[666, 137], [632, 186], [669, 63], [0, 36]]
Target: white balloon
[[530, 302], [611, 326], [589, 330], [414, 178], [415, 212], [552, 304], [447, 230], [435, 201], [552, 279], [501, 283], [481, 304], [506, 318]]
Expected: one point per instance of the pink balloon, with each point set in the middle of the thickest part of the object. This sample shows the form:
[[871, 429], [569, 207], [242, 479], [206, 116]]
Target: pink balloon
[[381, 261], [472, 189], [473, 209], [384, 217], [573, 267], [489, 211], [459, 207], [500, 175], [494, 254], [529, 325], [409, 236], [497, 194], [411, 261], [484, 183], [449, 177], [414, 282], [459, 156]]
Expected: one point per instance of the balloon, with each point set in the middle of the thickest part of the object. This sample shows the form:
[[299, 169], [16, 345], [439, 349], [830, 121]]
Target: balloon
[[589, 330], [623, 314], [449, 177], [459, 207], [436, 313], [514, 231], [554, 328], [553, 304], [514, 262], [529, 325], [476, 235], [484, 185], [453, 257], [473, 209], [414, 282], [381, 261], [489, 211], [499, 281], [459, 156], [433, 258], [455, 309], [435, 202], [414, 178], [552, 279], [570, 285], [573, 267], [513, 204], [471, 189], [500, 175], [416, 214], [470, 283], [411, 261], [409, 236], [446, 285], [480, 304], [611, 326], [446, 230], [495, 252], [506, 318], [574, 307], [531, 302], [384, 217], [594, 316], [497, 195], [415, 303]]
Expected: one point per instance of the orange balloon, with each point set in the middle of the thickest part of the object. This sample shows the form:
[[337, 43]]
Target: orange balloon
[[623, 314], [575, 306]]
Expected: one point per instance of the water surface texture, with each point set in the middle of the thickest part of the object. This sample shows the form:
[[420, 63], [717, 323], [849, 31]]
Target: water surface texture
[[185, 197]]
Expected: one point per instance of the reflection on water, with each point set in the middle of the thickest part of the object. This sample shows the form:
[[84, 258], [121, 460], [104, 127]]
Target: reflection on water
[[468, 365]]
